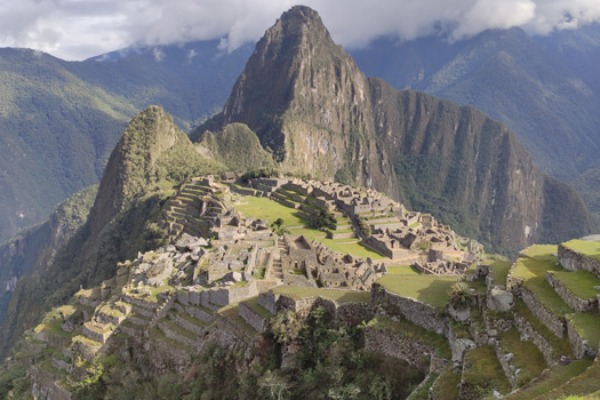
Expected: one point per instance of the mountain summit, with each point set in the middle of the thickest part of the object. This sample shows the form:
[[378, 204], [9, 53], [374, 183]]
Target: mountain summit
[[310, 105]]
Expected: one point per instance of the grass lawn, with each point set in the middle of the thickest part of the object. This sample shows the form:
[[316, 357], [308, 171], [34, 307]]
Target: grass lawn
[[560, 346], [446, 385], [550, 379], [527, 357], [338, 295], [586, 384], [590, 248], [402, 270], [482, 370], [429, 289], [500, 270], [533, 273], [587, 326], [270, 210], [540, 250], [579, 283]]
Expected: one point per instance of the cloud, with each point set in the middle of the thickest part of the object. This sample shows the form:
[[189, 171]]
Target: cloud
[[76, 29]]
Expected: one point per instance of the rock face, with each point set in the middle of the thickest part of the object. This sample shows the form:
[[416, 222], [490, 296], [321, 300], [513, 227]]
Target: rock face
[[320, 116]]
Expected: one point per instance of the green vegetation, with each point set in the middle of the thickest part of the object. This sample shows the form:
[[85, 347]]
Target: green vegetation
[[483, 373], [580, 283], [429, 289], [526, 356], [446, 385], [587, 326], [409, 330], [560, 346], [532, 270], [583, 383], [271, 211], [590, 248], [500, 270], [338, 295], [238, 147]]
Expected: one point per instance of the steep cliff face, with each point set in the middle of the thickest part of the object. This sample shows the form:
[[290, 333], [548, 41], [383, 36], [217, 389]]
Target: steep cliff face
[[310, 104]]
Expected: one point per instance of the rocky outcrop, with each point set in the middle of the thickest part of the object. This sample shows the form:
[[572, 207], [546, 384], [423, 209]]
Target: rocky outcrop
[[320, 116]]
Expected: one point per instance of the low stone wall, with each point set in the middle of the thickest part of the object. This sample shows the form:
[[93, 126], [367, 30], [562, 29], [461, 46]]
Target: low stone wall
[[418, 313], [529, 334], [576, 303], [573, 261], [253, 319], [554, 323], [507, 367], [581, 347], [459, 346]]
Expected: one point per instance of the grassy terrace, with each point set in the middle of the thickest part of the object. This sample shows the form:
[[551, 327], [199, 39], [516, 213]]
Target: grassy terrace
[[587, 326], [532, 270], [446, 385], [483, 371], [585, 384], [500, 269], [589, 248], [429, 289], [410, 330], [270, 210], [527, 357], [551, 378], [579, 283], [337, 295], [559, 346]]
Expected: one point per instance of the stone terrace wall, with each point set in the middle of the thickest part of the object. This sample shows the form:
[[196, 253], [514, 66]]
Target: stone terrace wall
[[253, 319], [418, 313], [573, 261], [576, 303], [581, 347], [529, 334], [552, 322], [398, 347]]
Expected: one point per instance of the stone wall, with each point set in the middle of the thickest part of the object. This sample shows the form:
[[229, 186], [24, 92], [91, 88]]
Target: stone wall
[[418, 313], [573, 261], [253, 319], [399, 347], [529, 334], [581, 347], [554, 323], [576, 303]]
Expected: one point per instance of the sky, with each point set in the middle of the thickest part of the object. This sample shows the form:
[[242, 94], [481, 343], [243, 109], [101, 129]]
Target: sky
[[78, 29]]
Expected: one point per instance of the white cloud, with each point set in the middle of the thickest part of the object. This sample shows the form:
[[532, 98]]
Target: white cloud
[[75, 29]]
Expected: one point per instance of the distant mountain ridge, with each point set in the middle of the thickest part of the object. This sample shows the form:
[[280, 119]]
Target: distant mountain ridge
[[321, 116], [543, 87]]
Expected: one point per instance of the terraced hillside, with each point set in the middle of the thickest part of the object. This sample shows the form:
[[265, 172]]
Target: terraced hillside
[[250, 269]]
